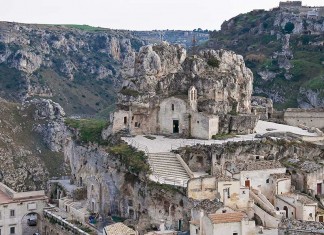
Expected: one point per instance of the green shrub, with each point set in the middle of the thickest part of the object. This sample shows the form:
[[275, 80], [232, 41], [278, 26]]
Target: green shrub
[[134, 160], [213, 62], [289, 27], [129, 92], [89, 129]]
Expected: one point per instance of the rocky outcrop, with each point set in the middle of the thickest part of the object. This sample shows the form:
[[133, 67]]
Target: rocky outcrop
[[50, 117], [26, 162], [309, 98], [164, 70], [150, 202], [41, 60]]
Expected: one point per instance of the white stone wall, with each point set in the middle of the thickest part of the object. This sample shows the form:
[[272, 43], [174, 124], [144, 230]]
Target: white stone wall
[[202, 188], [203, 127], [281, 204], [118, 120], [167, 115], [238, 198], [228, 228], [258, 179], [314, 178]]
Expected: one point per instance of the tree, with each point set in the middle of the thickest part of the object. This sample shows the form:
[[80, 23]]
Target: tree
[[289, 27]]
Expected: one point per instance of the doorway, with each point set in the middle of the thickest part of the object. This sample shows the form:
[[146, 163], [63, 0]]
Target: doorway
[[286, 209], [247, 183], [319, 188], [175, 126], [320, 218]]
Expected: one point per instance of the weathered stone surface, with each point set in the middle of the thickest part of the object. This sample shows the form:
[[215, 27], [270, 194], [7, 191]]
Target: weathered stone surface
[[53, 130]]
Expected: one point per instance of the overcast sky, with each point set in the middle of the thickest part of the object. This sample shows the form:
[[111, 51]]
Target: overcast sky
[[133, 14]]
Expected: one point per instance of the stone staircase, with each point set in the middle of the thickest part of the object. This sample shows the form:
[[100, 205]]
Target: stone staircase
[[167, 169]]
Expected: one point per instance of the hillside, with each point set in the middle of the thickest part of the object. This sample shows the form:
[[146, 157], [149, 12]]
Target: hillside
[[77, 66], [284, 49], [27, 161]]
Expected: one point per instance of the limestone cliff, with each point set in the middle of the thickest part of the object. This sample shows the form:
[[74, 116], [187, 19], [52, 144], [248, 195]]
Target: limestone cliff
[[122, 193], [26, 161], [283, 47], [222, 80]]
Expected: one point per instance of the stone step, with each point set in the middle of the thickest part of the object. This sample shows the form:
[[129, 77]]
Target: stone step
[[173, 179], [166, 174], [163, 157], [164, 169], [166, 163]]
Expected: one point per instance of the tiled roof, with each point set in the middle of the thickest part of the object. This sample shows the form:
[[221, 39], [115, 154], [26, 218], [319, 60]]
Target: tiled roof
[[119, 229], [226, 217]]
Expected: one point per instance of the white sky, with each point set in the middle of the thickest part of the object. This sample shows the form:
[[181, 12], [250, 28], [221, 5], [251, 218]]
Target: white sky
[[133, 14]]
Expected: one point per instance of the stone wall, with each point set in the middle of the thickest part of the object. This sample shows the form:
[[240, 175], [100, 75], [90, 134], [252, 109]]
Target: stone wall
[[308, 117]]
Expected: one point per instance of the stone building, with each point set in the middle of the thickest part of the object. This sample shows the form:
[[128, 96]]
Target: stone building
[[255, 174], [198, 96], [307, 117], [290, 5], [297, 206], [17, 209], [224, 222], [225, 189]]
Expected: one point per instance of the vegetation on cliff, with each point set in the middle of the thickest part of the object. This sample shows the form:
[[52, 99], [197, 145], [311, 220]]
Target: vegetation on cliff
[[284, 54]]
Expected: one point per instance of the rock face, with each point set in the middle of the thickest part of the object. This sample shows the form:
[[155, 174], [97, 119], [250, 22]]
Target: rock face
[[200, 94], [165, 70], [310, 98], [123, 194], [283, 47], [53, 130], [48, 61], [26, 162]]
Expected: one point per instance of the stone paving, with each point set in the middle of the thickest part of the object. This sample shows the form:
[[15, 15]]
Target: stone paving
[[164, 144]]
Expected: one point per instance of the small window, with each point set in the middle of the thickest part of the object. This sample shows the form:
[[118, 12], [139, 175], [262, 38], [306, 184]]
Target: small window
[[277, 208], [125, 120], [243, 192], [132, 118], [310, 214], [267, 181], [12, 213], [257, 157], [292, 213], [198, 122], [223, 211], [92, 187], [137, 124], [12, 230], [172, 107], [235, 233]]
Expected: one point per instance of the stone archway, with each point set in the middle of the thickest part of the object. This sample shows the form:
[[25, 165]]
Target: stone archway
[[31, 223]]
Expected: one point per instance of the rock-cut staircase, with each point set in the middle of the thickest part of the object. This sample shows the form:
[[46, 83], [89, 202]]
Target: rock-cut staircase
[[167, 169]]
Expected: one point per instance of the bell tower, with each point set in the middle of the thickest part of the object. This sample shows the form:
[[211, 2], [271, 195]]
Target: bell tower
[[192, 97]]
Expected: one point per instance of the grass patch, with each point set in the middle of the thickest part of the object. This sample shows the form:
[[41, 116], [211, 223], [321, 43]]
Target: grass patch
[[82, 27], [134, 160], [129, 92], [316, 83], [89, 129], [223, 136]]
